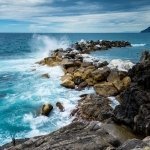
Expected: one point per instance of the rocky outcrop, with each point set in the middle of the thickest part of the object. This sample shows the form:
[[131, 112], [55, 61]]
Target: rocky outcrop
[[92, 107], [60, 106], [75, 136], [88, 46], [134, 109], [46, 109], [82, 136], [67, 81], [147, 30]]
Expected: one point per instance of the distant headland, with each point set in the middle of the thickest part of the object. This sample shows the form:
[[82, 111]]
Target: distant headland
[[146, 30]]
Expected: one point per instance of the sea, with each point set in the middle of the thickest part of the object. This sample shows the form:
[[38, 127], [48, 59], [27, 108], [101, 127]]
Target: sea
[[23, 91]]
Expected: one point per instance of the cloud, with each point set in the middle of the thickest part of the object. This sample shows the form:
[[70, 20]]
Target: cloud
[[74, 16]]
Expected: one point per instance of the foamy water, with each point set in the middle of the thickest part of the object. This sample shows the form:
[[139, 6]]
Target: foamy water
[[23, 91], [26, 91]]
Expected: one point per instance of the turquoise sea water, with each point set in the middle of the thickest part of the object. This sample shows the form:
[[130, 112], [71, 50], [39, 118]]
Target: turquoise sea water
[[23, 91]]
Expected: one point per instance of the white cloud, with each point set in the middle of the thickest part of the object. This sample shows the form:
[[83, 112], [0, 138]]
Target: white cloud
[[46, 18], [107, 22]]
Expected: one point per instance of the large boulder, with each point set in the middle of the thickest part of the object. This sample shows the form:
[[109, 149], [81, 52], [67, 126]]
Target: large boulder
[[87, 73], [119, 79], [101, 74], [46, 109], [106, 89], [67, 81]]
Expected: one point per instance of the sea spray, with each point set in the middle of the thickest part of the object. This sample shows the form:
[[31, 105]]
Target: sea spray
[[43, 45]]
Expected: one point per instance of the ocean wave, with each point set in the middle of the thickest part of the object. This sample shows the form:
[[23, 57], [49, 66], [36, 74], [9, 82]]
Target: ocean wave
[[138, 45], [43, 45]]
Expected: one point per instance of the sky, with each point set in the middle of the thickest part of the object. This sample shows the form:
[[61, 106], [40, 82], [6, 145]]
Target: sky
[[74, 16]]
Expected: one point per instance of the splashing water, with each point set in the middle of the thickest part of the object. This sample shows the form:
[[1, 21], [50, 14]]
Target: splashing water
[[44, 45]]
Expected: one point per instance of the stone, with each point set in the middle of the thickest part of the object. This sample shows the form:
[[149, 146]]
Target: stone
[[90, 81], [46, 109], [68, 83], [70, 70], [78, 80], [126, 81], [105, 89], [46, 75], [101, 74], [82, 85], [60, 106], [119, 79]]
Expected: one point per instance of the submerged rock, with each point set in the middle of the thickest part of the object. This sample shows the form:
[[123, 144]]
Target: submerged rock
[[46, 109], [60, 106], [46, 75]]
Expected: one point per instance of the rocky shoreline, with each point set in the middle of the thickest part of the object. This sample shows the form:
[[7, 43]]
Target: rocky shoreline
[[130, 86]]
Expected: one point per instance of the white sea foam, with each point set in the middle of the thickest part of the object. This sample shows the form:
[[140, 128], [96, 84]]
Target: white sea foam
[[82, 41], [138, 45], [35, 123], [122, 65], [43, 45], [88, 58], [113, 101]]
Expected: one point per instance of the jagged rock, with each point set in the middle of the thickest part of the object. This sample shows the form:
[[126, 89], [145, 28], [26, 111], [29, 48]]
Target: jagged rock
[[75, 136], [93, 107], [87, 74], [46, 109], [119, 79], [101, 74], [105, 63], [134, 144], [134, 109], [60, 106], [105, 89]]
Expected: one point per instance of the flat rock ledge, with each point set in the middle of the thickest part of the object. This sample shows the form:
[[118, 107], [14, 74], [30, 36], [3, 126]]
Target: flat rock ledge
[[80, 136]]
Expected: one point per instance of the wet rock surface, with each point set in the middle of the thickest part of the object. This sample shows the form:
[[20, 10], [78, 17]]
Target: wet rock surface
[[134, 109], [92, 108], [46, 109], [77, 135]]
